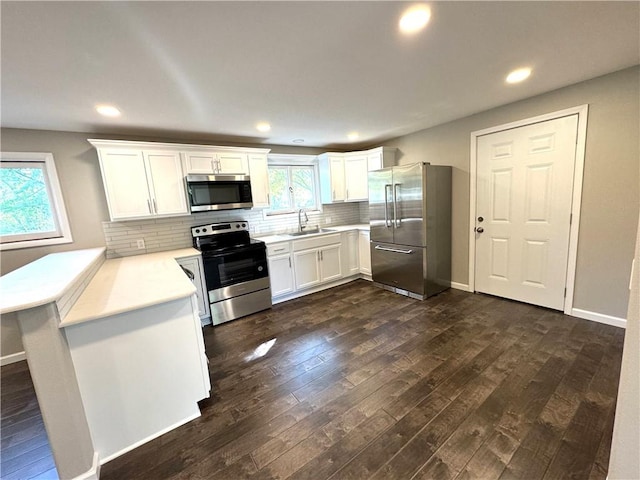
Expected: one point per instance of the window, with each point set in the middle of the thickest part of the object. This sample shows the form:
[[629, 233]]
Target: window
[[293, 184], [32, 211]]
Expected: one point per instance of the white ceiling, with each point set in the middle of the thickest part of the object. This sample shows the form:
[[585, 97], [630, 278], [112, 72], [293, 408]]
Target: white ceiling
[[314, 70]]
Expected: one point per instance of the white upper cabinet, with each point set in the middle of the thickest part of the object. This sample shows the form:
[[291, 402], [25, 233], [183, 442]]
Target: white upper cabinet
[[166, 183], [140, 184], [259, 173], [355, 175], [233, 163], [199, 163], [344, 176], [213, 162], [146, 179]]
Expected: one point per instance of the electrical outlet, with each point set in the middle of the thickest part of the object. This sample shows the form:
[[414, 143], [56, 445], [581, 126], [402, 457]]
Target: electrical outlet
[[140, 243], [327, 220]]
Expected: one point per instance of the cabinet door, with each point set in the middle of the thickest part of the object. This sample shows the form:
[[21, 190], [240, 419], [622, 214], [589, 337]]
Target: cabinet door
[[336, 169], [331, 266], [364, 253], [350, 249], [125, 183], [374, 161], [199, 163], [258, 170], [280, 274], [166, 183], [232, 162], [306, 267], [356, 183], [193, 266]]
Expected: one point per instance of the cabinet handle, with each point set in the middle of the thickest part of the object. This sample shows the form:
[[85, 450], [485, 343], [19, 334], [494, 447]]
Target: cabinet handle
[[333, 195], [268, 199], [289, 262], [279, 250], [347, 196], [149, 205], [321, 255], [318, 255], [155, 207]]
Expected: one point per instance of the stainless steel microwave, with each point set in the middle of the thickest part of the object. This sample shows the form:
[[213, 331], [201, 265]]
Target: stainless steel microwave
[[218, 192]]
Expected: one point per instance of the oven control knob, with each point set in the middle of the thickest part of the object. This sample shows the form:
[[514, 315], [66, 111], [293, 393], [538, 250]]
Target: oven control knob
[[237, 225], [244, 225], [197, 230], [204, 229], [260, 268]]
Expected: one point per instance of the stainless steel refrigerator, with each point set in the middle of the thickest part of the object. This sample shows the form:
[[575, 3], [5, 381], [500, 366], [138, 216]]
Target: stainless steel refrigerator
[[410, 219]]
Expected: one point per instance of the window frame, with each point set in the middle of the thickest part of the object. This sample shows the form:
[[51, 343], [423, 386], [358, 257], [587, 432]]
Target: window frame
[[62, 234], [284, 160]]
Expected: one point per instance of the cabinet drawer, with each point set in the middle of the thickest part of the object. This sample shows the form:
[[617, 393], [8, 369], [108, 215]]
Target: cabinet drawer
[[278, 249], [316, 242]]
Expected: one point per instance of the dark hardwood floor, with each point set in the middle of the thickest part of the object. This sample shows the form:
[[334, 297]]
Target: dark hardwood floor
[[356, 382]]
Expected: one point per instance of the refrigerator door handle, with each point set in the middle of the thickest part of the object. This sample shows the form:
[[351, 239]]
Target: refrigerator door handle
[[394, 250], [386, 205], [396, 220]]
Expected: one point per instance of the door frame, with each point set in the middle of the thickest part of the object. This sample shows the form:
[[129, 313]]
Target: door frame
[[576, 199]]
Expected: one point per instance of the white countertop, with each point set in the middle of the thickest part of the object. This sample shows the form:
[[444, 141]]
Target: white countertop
[[45, 280], [130, 283], [284, 237]]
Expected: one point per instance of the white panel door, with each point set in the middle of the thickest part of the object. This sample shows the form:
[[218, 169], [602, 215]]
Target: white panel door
[[523, 207], [125, 182], [166, 183]]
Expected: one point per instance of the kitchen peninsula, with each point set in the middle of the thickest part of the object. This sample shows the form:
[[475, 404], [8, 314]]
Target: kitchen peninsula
[[114, 347]]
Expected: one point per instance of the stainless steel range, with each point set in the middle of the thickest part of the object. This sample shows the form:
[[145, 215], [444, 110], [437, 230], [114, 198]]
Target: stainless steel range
[[235, 269]]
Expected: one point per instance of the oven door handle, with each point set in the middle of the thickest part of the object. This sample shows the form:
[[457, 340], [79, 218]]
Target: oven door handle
[[236, 250]]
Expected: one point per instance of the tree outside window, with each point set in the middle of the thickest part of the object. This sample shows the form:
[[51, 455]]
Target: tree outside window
[[292, 187], [31, 208]]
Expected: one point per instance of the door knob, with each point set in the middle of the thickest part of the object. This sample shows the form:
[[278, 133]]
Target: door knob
[[479, 230]]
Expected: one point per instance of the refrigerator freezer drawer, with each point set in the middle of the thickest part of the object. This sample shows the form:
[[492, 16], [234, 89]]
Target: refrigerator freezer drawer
[[404, 267]]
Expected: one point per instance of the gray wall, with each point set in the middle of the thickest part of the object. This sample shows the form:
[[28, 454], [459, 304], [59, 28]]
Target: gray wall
[[611, 183]]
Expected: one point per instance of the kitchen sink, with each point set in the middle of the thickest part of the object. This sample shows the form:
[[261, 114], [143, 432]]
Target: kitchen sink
[[311, 232]]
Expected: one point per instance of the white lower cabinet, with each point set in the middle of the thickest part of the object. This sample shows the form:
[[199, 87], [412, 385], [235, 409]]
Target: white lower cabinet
[[350, 260], [280, 269], [364, 251], [310, 263], [281, 274], [307, 268], [194, 266]]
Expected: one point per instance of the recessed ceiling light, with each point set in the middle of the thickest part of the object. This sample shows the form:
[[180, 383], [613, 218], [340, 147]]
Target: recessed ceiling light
[[415, 19], [298, 140], [518, 75], [353, 136], [108, 110], [263, 127]]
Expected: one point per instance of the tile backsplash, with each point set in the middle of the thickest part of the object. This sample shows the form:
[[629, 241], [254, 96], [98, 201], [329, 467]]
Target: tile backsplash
[[173, 233]]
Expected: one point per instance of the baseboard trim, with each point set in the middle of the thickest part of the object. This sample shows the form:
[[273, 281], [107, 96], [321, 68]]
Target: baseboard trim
[[151, 437], [13, 358], [599, 317], [94, 472], [461, 286]]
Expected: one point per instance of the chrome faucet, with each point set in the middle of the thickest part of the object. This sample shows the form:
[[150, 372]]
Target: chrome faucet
[[306, 219]]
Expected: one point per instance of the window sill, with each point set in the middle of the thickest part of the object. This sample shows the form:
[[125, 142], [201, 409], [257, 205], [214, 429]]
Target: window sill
[[36, 243]]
